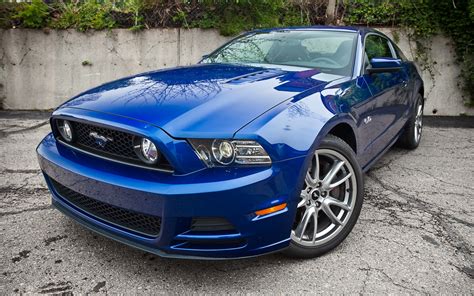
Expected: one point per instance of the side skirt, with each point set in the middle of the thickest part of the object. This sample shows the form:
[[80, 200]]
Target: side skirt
[[381, 153]]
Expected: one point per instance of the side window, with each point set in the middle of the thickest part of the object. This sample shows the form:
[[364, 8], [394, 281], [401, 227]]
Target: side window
[[399, 52], [376, 46]]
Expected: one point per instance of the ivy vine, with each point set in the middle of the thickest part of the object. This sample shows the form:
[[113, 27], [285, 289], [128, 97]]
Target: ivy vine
[[423, 19]]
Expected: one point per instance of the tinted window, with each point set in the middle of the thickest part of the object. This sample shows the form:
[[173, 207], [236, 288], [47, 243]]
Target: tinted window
[[377, 47], [327, 51]]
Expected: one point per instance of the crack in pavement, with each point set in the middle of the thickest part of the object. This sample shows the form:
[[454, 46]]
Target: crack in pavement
[[56, 288], [438, 179], [438, 215], [35, 209], [7, 190], [364, 282], [465, 223], [21, 171], [391, 280], [20, 191], [36, 126], [369, 270], [421, 204]]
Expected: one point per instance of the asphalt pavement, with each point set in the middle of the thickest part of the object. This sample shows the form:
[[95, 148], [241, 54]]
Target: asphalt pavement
[[415, 233]]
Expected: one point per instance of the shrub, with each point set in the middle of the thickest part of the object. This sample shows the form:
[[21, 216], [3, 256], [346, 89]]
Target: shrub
[[7, 14], [88, 15], [33, 15]]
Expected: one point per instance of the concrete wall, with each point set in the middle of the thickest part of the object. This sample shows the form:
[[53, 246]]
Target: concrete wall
[[40, 70]]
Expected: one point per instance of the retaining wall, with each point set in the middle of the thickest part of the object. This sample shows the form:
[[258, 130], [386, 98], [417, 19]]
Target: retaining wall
[[41, 69]]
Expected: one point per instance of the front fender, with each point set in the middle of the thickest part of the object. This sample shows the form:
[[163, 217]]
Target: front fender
[[290, 129], [295, 129]]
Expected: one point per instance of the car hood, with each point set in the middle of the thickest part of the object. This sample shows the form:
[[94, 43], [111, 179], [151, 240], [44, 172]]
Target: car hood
[[205, 100]]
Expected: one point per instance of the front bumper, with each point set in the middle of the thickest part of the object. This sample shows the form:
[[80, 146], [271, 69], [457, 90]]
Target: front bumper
[[233, 194]]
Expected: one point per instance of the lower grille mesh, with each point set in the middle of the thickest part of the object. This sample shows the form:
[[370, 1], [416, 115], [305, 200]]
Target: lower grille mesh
[[141, 223]]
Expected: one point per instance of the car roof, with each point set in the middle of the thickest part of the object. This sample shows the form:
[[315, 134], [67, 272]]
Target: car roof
[[362, 30]]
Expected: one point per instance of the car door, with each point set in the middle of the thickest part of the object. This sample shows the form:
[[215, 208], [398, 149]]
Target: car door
[[379, 116], [402, 100]]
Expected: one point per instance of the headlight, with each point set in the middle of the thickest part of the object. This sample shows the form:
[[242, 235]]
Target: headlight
[[65, 129], [146, 150], [230, 152], [223, 151]]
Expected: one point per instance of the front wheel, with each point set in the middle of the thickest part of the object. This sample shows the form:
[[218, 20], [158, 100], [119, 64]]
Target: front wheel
[[330, 200]]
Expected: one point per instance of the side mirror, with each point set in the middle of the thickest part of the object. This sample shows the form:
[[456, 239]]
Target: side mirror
[[384, 65]]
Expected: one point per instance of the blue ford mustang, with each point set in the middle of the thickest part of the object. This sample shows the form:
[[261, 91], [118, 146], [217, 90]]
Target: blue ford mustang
[[260, 147]]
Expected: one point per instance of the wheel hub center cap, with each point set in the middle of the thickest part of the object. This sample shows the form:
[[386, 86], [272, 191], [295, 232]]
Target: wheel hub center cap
[[314, 194], [316, 197]]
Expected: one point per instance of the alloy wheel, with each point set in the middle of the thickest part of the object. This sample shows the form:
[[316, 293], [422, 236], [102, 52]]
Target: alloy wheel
[[327, 199]]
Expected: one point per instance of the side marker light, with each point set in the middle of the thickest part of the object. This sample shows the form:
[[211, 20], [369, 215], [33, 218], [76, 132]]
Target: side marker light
[[271, 210]]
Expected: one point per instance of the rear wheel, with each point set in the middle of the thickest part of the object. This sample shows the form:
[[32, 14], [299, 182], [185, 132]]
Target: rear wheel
[[410, 139], [330, 200]]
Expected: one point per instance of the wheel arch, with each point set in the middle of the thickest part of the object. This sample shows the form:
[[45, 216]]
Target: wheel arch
[[344, 127], [342, 122], [345, 132], [421, 91]]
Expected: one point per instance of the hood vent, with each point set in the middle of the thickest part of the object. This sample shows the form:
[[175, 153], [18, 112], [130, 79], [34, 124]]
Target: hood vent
[[254, 76]]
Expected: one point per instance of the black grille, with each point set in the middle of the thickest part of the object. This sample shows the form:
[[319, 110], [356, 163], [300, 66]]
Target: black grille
[[120, 145], [136, 222]]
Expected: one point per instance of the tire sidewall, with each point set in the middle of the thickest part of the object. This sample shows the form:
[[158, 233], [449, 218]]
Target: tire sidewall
[[418, 102], [410, 138]]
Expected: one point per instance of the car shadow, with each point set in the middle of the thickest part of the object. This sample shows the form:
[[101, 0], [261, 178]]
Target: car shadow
[[118, 258]]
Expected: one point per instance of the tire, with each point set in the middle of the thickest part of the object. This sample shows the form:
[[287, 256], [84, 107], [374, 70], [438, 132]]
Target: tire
[[411, 136], [320, 199]]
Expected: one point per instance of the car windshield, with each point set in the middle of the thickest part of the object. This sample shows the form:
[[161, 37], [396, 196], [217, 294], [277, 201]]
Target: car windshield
[[325, 50]]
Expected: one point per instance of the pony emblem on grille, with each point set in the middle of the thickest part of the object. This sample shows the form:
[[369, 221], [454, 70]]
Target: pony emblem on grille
[[100, 140]]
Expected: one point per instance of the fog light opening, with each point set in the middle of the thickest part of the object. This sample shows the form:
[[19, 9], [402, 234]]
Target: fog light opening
[[65, 129]]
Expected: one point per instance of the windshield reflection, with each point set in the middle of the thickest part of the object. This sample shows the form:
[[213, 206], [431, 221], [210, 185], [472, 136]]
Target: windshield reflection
[[328, 51]]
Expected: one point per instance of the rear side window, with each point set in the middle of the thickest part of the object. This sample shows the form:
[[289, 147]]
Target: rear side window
[[399, 52], [377, 47]]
